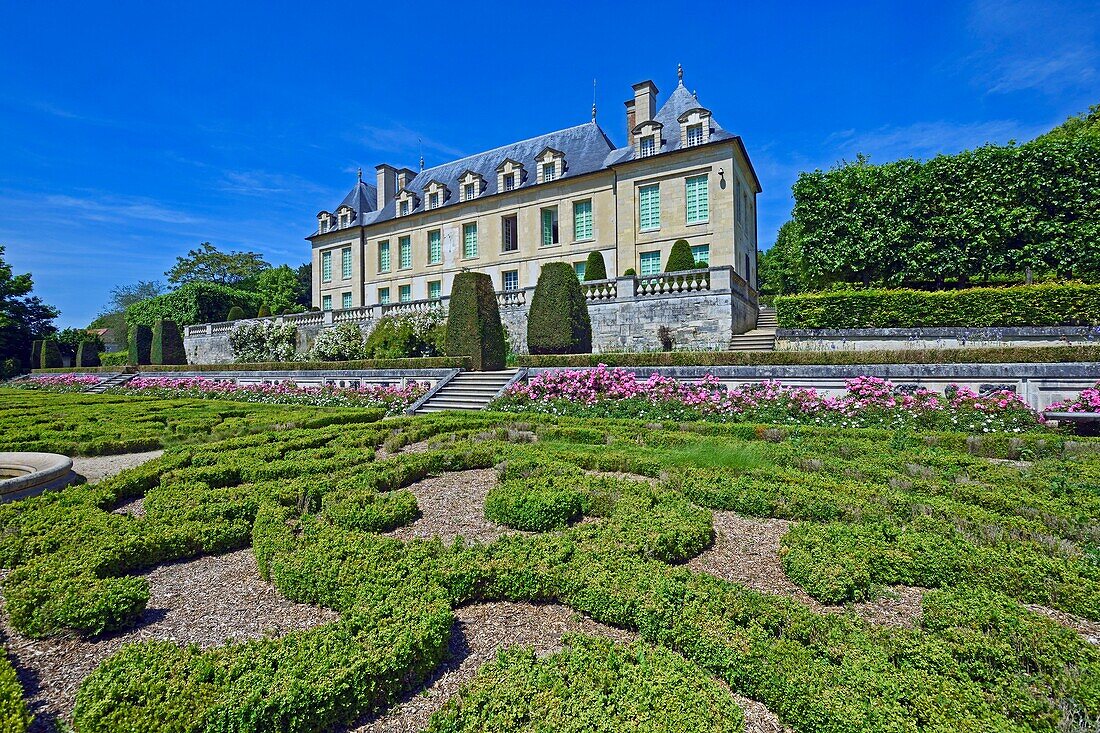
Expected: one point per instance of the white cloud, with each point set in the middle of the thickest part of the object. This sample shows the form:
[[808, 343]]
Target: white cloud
[[396, 139], [926, 139], [116, 209]]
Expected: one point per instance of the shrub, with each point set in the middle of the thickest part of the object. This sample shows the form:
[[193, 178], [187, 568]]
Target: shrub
[[1071, 304], [167, 347], [10, 367], [141, 344], [87, 354], [680, 257], [594, 268], [14, 716], [192, 303], [408, 335], [236, 313], [630, 272], [51, 355], [114, 358], [537, 503], [343, 342], [257, 341], [36, 354], [473, 321], [558, 321], [263, 312]]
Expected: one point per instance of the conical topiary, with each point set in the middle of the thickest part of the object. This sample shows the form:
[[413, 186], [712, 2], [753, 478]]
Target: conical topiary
[[141, 343], [473, 322], [167, 346], [36, 354], [51, 355], [236, 313], [264, 312], [594, 268], [680, 258], [558, 321]]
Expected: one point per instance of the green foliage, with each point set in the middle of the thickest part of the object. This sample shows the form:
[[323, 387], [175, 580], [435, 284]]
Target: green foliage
[[343, 342], [236, 313], [593, 685], [114, 358], [141, 344], [558, 321], [1083, 124], [14, 716], [197, 302], [36, 353], [781, 270], [680, 257], [408, 335], [206, 264], [23, 317], [1026, 305], [536, 503], [262, 341], [263, 312], [278, 288], [630, 272], [51, 355], [474, 329], [167, 346], [594, 267], [87, 354]]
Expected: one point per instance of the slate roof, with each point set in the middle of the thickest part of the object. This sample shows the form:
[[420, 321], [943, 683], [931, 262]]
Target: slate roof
[[586, 149]]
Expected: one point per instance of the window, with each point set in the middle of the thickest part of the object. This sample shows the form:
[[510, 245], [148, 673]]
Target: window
[[509, 181], [435, 247], [698, 199], [511, 279], [549, 172], [404, 253], [509, 233], [469, 241], [435, 289], [649, 208], [384, 256], [326, 302], [650, 263], [345, 301], [326, 267], [549, 226], [578, 267], [695, 134], [383, 295], [582, 220], [404, 293], [404, 208], [701, 254], [345, 263], [469, 191], [648, 146]]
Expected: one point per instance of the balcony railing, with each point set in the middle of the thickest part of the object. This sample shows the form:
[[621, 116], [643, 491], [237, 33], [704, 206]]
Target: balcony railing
[[667, 283]]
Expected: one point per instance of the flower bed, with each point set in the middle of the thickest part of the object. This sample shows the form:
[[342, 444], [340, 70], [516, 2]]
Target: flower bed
[[394, 399], [1087, 401], [869, 402], [58, 382]]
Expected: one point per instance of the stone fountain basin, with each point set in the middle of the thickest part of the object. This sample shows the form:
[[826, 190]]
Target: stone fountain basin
[[29, 474]]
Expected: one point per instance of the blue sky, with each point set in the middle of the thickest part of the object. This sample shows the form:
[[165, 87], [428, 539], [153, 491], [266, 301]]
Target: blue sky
[[130, 132]]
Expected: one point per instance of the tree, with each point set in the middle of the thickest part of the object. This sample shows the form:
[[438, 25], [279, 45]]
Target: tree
[[594, 268], [70, 339], [558, 322], [781, 270], [680, 257], [209, 264], [236, 313], [23, 317], [473, 321], [123, 296], [304, 273], [278, 288], [87, 355]]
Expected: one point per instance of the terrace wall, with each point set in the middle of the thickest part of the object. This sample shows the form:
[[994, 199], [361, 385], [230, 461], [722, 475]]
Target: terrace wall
[[869, 339]]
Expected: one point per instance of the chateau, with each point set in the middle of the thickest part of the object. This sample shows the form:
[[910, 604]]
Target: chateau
[[555, 197]]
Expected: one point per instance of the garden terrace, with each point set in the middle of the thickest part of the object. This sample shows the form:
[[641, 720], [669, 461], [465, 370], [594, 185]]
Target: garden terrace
[[623, 521]]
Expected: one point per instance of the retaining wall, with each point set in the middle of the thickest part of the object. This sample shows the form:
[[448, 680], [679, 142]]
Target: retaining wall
[[867, 339]]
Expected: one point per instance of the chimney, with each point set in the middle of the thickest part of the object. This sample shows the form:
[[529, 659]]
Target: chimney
[[404, 176], [387, 184], [629, 119], [645, 101]]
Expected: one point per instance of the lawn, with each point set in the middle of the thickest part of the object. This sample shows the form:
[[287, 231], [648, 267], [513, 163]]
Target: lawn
[[610, 518]]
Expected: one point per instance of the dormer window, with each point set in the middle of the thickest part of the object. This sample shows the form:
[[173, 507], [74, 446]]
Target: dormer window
[[344, 216], [509, 175], [648, 147], [405, 208], [471, 187], [469, 191], [551, 165], [647, 138], [695, 135], [435, 193], [509, 181], [433, 200], [694, 127], [324, 222], [406, 202], [549, 172]]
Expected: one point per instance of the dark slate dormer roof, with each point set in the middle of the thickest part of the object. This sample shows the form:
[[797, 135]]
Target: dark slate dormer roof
[[362, 199], [678, 103]]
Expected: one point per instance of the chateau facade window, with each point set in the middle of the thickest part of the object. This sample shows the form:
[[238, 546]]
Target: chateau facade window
[[435, 193], [345, 301], [435, 247], [551, 165], [510, 279], [326, 267], [701, 254], [647, 138], [469, 241], [326, 302], [582, 220], [404, 253], [470, 185], [697, 199], [509, 175], [383, 295], [406, 202], [694, 127], [649, 263], [649, 207], [344, 216], [435, 290], [404, 293], [345, 263], [384, 256], [549, 218], [324, 222], [509, 233]]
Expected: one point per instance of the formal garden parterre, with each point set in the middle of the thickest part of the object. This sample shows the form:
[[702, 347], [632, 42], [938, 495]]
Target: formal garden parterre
[[994, 525]]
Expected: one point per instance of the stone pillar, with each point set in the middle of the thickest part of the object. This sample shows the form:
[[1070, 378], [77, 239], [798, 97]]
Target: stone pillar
[[624, 287], [720, 278]]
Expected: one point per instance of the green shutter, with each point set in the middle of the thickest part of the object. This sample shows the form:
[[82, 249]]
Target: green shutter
[[649, 207], [469, 241], [404, 252], [650, 263], [345, 262], [383, 256], [435, 248], [326, 266], [698, 199], [582, 220]]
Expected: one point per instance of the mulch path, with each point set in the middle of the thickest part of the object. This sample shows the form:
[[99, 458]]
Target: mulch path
[[453, 506], [208, 601], [97, 468], [1088, 629]]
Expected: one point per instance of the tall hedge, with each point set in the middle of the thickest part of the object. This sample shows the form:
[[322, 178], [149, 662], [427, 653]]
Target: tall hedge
[[594, 268], [191, 303], [1026, 305], [87, 354], [558, 321], [235, 313], [36, 354], [264, 312], [167, 346], [51, 355], [473, 322], [141, 343], [680, 257]]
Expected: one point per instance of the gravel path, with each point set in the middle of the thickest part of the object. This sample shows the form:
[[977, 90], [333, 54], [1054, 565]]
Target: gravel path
[[207, 601], [1088, 629], [453, 506], [97, 468]]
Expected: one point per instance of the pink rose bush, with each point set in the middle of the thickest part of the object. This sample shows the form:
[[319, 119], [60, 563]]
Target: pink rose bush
[[58, 382], [393, 398], [868, 402], [1087, 401]]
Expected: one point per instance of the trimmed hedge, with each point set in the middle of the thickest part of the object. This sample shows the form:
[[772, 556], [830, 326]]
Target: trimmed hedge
[[534, 504], [1071, 304], [51, 355], [427, 362], [141, 344], [474, 329], [558, 321], [87, 354], [36, 354], [14, 716], [594, 267], [191, 303], [236, 313], [167, 346], [680, 257]]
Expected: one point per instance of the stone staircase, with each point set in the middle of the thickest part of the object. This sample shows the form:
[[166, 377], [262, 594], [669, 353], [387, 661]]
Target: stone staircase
[[761, 338], [468, 391], [115, 380]]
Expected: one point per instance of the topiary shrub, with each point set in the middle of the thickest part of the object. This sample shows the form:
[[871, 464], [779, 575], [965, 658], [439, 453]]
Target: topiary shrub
[[535, 504], [473, 321], [114, 359], [558, 322], [236, 313], [167, 346], [87, 354], [51, 355], [264, 312], [630, 272], [141, 344], [594, 268], [680, 258], [36, 354]]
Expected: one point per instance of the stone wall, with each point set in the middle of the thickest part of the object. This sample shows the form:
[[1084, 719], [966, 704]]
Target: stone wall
[[867, 339]]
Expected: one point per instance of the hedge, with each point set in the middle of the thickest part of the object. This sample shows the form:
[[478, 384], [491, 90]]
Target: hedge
[[427, 362], [474, 329], [14, 716], [1071, 304], [680, 257], [141, 343], [36, 354], [594, 267], [51, 355], [167, 347], [191, 303], [558, 321], [87, 354]]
